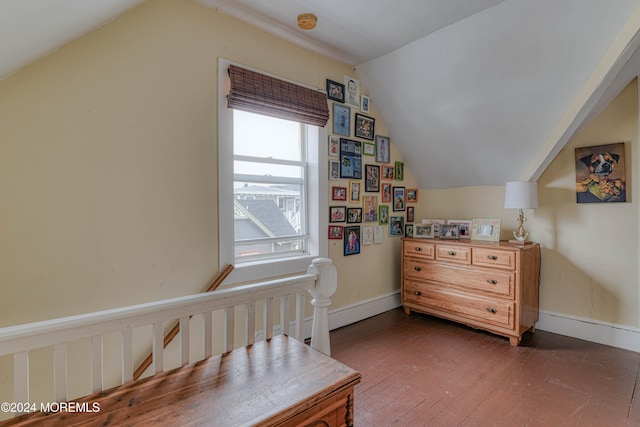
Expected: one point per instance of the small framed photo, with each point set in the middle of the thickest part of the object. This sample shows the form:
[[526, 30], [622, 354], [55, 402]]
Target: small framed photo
[[412, 195], [335, 232], [486, 229], [465, 227], [355, 191], [396, 226], [354, 215], [364, 104], [369, 149], [367, 235], [334, 170], [351, 240], [383, 214], [399, 171], [337, 213], [334, 145], [398, 199], [386, 192], [408, 230], [365, 127], [450, 231], [423, 231], [339, 193], [377, 234], [370, 208], [372, 178], [341, 120], [383, 149], [387, 172], [436, 225], [335, 91], [410, 213]]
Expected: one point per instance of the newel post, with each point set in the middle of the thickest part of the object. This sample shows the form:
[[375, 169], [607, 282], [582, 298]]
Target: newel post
[[326, 285]]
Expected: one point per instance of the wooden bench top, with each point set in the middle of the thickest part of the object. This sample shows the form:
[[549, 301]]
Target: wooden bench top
[[264, 384]]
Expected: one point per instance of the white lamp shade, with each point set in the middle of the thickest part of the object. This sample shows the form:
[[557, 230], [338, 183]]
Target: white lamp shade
[[521, 195]]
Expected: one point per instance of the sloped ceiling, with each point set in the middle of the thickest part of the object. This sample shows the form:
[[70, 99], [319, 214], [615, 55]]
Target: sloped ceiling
[[473, 92]]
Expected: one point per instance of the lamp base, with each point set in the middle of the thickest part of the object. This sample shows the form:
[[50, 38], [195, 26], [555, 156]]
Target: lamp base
[[521, 242]]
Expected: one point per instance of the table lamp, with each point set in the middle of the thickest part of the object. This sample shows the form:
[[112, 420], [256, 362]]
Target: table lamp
[[521, 195]]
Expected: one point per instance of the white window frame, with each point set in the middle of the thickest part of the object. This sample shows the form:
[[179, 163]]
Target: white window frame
[[317, 194]]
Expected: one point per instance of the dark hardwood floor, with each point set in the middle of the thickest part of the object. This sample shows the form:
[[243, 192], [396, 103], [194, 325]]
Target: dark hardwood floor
[[419, 370]]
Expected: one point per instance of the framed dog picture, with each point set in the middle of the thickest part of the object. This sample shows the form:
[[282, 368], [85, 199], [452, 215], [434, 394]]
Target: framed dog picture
[[600, 174]]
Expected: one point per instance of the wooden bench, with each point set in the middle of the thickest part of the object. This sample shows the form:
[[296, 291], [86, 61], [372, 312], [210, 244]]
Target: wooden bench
[[278, 382]]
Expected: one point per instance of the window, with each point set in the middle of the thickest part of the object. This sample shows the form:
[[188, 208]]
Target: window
[[272, 182], [269, 191]]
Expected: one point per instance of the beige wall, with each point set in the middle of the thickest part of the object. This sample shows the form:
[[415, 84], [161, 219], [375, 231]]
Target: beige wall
[[589, 251], [108, 160]]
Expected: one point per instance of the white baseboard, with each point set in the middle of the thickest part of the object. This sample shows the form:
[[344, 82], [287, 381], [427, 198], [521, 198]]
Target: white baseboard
[[611, 334], [353, 313]]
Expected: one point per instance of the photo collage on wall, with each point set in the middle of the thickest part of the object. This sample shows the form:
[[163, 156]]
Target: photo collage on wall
[[368, 200]]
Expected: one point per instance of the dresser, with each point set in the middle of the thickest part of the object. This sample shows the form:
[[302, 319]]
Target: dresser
[[486, 285]]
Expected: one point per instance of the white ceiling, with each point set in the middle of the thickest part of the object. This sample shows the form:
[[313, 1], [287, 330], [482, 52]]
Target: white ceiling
[[470, 90]]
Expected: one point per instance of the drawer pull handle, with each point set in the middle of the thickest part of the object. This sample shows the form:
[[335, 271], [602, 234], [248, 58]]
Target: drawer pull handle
[[492, 310], [417, 293], [418, 249], [492, 257], [492, 282], [417, 268], [451, 253]]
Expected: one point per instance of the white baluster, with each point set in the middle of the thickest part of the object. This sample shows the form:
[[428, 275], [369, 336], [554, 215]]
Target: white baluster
[[326, 286]]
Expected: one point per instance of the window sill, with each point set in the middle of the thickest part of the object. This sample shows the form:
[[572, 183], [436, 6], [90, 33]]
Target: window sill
[[268, 269]]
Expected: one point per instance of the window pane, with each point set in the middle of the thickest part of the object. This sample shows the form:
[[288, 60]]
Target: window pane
[[263, 136], [266, 169]]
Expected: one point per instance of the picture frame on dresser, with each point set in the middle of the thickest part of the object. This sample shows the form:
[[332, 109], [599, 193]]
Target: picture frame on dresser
[[423, 231], [450, 232], [486, 229], [465, 227]]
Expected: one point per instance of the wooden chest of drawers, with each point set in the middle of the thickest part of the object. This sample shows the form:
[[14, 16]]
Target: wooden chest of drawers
[[486, 285]]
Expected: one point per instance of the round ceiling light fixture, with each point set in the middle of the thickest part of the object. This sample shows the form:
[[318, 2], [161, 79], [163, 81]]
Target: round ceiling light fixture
[[307, 21]]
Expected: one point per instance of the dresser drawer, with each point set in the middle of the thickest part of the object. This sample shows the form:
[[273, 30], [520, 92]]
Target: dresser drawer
[[494, 258], [453, 253], [418, 248], [483, 281], [495, 312]]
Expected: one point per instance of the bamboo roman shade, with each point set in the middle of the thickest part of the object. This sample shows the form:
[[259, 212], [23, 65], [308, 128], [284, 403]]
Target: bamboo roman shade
[[258, 93]]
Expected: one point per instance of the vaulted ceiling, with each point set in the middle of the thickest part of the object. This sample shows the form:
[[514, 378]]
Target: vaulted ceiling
[[473, 92]]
